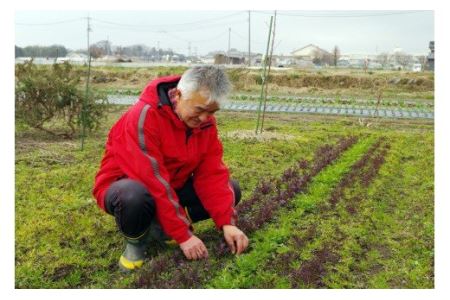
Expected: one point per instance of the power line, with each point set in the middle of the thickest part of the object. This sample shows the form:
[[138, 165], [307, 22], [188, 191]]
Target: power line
[[200, 22], [244, 38], [143, 28], [52, 23], [197, 41], [343, 16], [168, 30]]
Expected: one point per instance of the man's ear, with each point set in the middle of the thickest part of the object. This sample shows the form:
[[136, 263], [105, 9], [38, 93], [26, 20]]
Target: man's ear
[[177, 94]]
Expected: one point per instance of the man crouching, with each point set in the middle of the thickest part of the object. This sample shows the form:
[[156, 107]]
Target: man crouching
[[163, 167]]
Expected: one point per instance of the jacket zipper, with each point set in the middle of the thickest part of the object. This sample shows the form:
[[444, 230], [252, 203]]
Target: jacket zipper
[[188, 135]]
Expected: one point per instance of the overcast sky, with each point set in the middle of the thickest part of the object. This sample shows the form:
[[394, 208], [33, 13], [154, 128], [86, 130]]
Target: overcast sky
[[365, 32]]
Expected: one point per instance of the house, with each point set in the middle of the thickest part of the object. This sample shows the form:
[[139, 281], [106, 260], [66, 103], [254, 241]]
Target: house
[[232, 57], [309, 52]]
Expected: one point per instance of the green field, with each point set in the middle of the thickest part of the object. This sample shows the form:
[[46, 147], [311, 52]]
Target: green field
[[365, 219]]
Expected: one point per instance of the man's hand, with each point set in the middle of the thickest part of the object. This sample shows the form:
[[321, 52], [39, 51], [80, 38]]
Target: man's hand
[[194, 248], [235, 238]]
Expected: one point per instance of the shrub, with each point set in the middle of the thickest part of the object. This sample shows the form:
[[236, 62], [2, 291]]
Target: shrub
[[55, 95]]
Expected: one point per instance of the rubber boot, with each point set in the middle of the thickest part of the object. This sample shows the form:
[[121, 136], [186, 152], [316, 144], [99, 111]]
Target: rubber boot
[[135, 249]]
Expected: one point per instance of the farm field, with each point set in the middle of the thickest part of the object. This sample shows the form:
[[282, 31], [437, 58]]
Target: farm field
[[361, 108], [328, 202], [337, 84]]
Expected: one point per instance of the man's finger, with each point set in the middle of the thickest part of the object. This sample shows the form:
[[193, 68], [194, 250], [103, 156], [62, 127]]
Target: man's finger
[[199, 253], [230, 243], [240, 245], [245, 243], [204, 252], [194, 254], [187, 254]]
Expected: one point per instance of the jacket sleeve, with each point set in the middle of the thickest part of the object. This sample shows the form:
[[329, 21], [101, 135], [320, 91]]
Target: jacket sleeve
[[212, 184], [138, 155]]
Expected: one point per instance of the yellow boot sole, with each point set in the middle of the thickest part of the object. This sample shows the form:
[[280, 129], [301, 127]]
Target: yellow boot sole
[[128, 265]]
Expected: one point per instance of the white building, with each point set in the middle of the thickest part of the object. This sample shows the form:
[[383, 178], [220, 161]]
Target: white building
[[309, 52]]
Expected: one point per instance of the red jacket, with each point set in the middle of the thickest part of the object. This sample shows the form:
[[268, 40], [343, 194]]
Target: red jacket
[[150, 144]]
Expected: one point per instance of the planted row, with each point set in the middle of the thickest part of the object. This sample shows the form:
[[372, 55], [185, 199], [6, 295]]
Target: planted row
[[269, 196], [310, 272], [171, 270], [339, 101]]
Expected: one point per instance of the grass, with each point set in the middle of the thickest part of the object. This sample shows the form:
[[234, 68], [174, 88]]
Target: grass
[[64, 241]]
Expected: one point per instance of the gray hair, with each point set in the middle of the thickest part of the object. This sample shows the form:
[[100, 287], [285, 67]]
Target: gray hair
[[210, 78]]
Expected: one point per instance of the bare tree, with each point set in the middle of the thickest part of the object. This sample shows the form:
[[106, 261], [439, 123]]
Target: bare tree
[[403, 59], [96, 51], [317, 57], [383, 59], [105, 45], [423, 61], [336, 54]]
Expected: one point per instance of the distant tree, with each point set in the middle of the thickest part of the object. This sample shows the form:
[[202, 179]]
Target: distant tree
[[365, 65], [118, 51], [134, 50], [383, 59], [44, 51], [322, 58], [56, 51], [423, 61], [317, 57], [142, 51], [105, 45], [96, 51], [403, 59], [328, 59], [19, 52], [336, 55]]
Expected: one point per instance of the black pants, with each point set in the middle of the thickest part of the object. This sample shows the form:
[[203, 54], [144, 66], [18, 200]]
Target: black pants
[[134, 208]]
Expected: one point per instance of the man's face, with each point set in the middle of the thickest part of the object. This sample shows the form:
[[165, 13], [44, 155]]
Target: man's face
[[193, 110]]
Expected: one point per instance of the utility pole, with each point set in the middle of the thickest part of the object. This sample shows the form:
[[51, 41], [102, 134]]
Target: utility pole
[[189, 49], [83, 109], [263, 76], [268, 72], [249, 55], [229, 40], [157, 50], [229, 45], [57, 54]]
